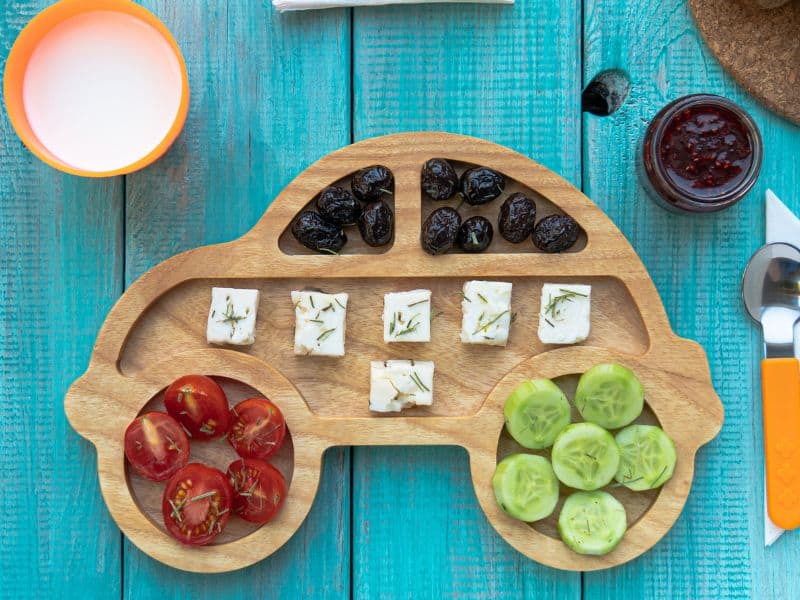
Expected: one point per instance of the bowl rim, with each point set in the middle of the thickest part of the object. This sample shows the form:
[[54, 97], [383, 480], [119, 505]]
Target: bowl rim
[[28, 40]]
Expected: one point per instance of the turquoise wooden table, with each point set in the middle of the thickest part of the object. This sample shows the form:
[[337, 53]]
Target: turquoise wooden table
[[272, 93]]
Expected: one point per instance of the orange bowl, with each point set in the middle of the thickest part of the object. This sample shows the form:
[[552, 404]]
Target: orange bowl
[[25, 47]]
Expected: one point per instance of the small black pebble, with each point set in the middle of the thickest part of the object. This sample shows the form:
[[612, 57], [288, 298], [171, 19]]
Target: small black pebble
[[440, 230], [376, 224], [606, 92], [371, 183], [481, 185], [338, 205], [475, 234], [439, 179], [317, 233], [555, 233]]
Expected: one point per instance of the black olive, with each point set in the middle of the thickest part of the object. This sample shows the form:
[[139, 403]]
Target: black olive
[[555, 233], [439, 179], [517, 217], [440, 230], [376, 223], [317, 233], [481, 185], [475, 234], [338, 205], [371, 183]]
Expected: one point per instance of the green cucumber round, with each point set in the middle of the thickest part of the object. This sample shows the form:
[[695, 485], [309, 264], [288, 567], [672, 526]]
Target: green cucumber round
[[609, 395], [592, 522], [526, 487], [585, 456], [536, 412], [647, 457]]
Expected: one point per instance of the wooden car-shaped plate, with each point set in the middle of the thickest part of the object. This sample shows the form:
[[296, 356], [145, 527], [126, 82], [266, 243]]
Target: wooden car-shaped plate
[[156, 333]]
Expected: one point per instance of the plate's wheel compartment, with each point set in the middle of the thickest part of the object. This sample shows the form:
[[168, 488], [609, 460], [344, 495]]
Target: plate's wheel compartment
[[101, 407], [671, 403]]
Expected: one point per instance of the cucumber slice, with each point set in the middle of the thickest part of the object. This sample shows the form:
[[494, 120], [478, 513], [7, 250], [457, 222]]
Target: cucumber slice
[[647, 457], [536, 412], [609, 395], [592, 522], [585, 456], [526, 487]]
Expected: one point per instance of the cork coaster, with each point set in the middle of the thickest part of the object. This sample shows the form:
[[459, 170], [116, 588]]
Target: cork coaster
[[759, 48]]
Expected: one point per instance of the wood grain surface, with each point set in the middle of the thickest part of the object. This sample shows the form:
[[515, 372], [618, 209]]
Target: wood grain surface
[[60, 271], [512, 77], [155, 333], [716, 549], [281, 85], [270, 94]]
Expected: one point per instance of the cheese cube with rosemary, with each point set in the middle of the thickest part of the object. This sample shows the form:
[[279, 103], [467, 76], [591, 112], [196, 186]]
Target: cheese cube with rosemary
[[486, 312], [319, 324], [232, 317], [564, 313], [407, 316], [399, 384]]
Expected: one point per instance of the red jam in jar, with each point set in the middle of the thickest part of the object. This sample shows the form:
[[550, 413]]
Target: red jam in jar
[[701, 153]]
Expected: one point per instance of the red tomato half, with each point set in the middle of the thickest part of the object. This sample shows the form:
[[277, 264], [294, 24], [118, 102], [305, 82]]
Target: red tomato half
[[200, 405], [197, 504], [259, 489], [258, 428], [156, 446]]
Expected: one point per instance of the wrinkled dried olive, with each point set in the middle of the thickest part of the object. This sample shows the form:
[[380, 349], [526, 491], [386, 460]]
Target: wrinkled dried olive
[[517, 217], [376, 223], [439, 179], [338, 205], [475, 234], [317, 233], [440, 230], [371, 183], [555, 233], [481, 185]]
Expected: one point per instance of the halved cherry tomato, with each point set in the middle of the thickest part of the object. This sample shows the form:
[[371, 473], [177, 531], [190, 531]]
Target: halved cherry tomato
[[259, 489], [156, 446], [200, 405], [197, 504], [258, 428]]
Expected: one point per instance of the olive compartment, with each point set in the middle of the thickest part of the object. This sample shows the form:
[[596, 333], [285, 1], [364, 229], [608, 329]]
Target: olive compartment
[[368, 233], [491, 211]]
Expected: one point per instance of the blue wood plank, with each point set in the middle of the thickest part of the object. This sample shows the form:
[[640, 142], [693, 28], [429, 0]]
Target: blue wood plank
[[60, 271], [270, 94], [716, 548], [508, 74]]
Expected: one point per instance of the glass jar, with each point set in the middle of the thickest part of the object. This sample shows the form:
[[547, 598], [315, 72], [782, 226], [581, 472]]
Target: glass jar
[[701, 153]]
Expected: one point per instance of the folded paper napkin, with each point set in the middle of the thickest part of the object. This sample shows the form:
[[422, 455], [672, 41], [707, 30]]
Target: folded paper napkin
[[284, 5]]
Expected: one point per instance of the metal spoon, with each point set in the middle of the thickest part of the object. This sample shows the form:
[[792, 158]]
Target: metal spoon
[[771, 294]]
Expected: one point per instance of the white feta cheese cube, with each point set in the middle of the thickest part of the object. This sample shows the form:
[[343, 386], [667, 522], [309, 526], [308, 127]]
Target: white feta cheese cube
[[398, 384], [232, 316], [319, 325], [486, 312], [564, 313], [407, 316]]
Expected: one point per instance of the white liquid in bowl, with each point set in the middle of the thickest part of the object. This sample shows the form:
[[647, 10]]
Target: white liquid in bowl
[[101, 90]]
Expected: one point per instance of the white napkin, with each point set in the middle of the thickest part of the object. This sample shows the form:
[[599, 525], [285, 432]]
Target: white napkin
[[284, 5], [782, 226]]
